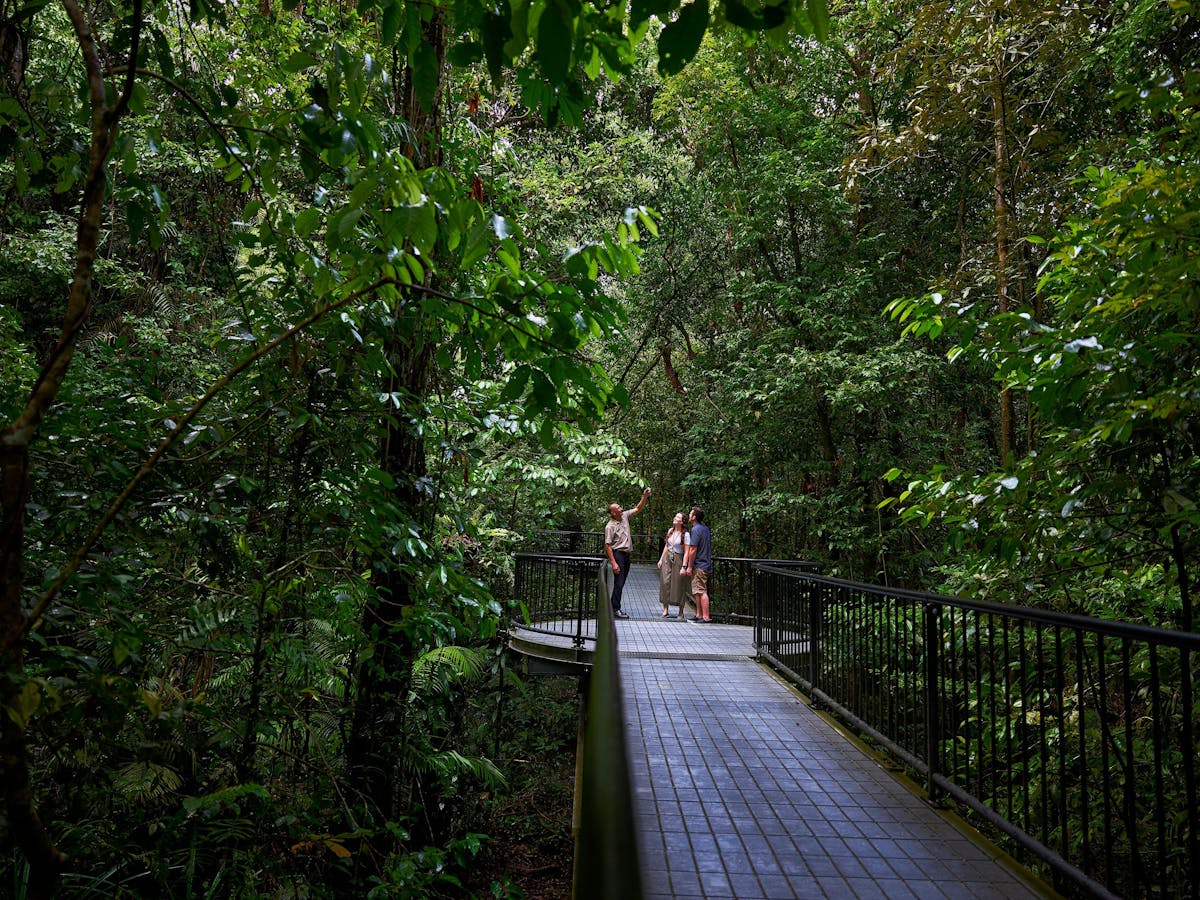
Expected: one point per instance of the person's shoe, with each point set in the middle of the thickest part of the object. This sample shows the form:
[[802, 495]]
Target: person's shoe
[[665, 614], [620, 614]]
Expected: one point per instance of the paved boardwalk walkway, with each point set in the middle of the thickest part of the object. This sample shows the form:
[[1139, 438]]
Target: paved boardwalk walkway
[[741, 790]]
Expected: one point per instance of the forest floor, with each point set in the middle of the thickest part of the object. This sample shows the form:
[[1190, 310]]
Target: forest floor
[[530, 848]]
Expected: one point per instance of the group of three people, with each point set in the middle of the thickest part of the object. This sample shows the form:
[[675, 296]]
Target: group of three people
[[686, 558]]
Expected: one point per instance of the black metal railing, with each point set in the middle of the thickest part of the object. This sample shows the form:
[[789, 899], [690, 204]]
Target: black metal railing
[[731, 588], [646, 547], [556, 594], [606, 854], [1073, 738]]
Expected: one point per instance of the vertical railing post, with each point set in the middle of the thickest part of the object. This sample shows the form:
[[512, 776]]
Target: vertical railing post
[[766, 616], [583, 589], [933, 730], [814, 636], [760, 608]]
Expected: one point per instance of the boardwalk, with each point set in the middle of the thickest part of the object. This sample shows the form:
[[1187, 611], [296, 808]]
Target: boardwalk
[[741, 790]]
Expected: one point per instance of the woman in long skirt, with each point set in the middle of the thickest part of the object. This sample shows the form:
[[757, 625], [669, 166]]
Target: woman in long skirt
[[671, 588]]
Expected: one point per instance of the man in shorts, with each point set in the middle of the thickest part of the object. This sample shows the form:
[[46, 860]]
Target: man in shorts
[[697, 562], [618, 544]]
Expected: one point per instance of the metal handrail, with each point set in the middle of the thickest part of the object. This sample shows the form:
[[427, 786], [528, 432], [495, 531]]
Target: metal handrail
[[607, 866], [565, 595], [732, 585], [731, 588], [1073, 737]]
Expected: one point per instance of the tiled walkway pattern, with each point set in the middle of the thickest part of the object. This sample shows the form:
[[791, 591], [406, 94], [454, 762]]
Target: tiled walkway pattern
[[740, 790]]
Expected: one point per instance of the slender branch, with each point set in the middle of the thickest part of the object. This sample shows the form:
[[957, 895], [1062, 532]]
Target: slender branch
[[498, 317], [130, 76], [195, 104], [151, 463]]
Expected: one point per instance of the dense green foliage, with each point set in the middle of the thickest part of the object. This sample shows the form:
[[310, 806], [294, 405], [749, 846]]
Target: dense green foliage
[[347, 316]]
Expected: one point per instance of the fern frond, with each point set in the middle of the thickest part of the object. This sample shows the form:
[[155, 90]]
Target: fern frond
[[140, 783], [235, 675], [207, 622], [434, 671], [452, 764], [161, 304]]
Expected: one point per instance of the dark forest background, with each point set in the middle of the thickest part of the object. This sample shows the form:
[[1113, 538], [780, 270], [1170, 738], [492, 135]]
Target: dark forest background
[[311, 313]]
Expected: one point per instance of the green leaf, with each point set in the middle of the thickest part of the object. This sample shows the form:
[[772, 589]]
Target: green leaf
[[478, 242], [342, 222], [24, 703], [496, 33], [544, 395], [137, 221], [642, 10], [298, 62], [818, 16], [554, 41], [418, 225], [516, 27], [592, 67], [516, 384], [308, 221], [776, 14], [680, 40], [426, 74], [389, 26], [736, 13], [465, 54]]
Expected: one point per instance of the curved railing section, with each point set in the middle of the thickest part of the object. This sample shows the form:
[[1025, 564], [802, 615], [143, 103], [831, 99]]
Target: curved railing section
[[555, 594], [1074, 738], [568, 597]]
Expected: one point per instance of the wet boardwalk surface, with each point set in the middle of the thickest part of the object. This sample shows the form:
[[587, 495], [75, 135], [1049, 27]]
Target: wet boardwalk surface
[[741, 790]]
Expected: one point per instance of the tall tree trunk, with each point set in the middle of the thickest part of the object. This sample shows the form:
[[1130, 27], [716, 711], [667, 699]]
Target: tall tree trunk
[[378, 727]]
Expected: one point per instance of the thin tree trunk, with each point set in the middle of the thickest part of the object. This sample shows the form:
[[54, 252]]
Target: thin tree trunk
[[870, 117], [1000, 187], [46, 862], [825, 434]]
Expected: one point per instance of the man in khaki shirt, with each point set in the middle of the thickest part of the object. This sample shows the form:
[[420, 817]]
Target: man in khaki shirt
[[618, 543]]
